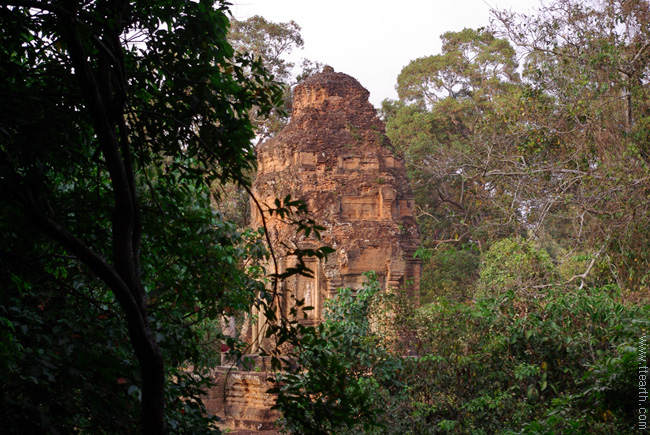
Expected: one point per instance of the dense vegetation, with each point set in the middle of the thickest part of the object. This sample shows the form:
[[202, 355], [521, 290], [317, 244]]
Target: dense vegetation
[[116, 122], [554, 150], [527, 144], [559, 362]]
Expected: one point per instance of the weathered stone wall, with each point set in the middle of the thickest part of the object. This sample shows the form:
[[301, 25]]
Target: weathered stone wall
[[240, 399], [335, 156]]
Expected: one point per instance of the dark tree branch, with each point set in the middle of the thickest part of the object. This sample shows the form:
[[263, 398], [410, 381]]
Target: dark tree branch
[[107, 113]]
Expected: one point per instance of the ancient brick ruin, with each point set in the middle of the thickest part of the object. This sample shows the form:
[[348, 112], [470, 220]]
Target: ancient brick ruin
[[335, 156]]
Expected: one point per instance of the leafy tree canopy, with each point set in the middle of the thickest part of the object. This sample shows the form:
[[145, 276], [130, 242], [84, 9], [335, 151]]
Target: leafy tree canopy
[[273, 43], [471, 61], [115, 119], [558, 155]]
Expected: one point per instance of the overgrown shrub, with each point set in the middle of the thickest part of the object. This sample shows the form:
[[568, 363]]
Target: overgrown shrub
[[340, 368], [514, 264], [552, 361], [562, 363], [450, 271]]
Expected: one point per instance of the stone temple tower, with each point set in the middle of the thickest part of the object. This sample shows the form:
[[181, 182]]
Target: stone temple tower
[[335, 156]]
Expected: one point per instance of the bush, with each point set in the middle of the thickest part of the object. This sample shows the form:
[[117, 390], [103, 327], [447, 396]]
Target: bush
[[556, 361], [339, 369], [514, 264], [450, 271], [564, 362]]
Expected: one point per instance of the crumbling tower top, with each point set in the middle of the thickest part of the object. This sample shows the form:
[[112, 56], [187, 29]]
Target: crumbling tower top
[[330, 89], [335, 156]]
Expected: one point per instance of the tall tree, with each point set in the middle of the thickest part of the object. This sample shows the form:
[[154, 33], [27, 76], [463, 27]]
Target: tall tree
[[273, 43], [472, 62], [115, 118], [559, 156], [449, 125], [270, 41], [585, 121]]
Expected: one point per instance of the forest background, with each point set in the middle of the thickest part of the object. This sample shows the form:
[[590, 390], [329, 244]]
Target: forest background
[[126, 157]]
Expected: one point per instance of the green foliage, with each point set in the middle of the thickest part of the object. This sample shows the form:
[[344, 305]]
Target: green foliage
[[472, 61], [448, 122], [339, 370], [449, 271], [585, 68], [116, 120], [565, 362], [514, 362], [516, 265], [556, 154], [268, 40], [67, 353]]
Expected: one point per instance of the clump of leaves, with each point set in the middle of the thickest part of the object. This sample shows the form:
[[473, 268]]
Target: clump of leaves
[[561, 362], [339, 368], [514, 264]]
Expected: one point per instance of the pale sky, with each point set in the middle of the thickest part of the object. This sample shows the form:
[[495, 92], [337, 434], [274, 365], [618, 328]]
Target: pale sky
[[372, 40]]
